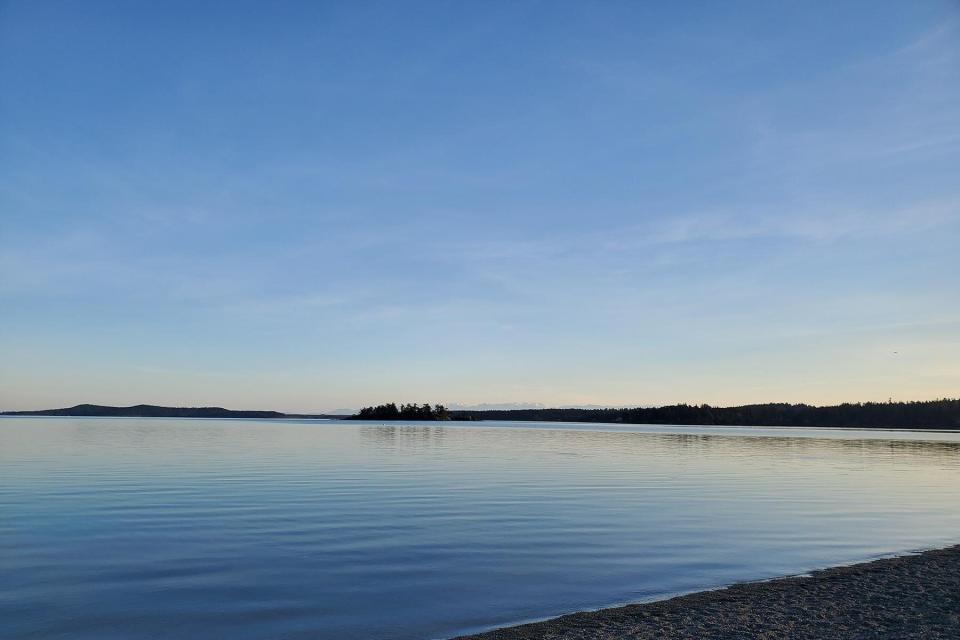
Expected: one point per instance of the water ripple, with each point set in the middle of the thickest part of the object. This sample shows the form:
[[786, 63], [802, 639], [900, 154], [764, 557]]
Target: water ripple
[[263, 529]]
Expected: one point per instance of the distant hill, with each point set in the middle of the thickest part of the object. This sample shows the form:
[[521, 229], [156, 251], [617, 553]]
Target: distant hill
[[148, 411]]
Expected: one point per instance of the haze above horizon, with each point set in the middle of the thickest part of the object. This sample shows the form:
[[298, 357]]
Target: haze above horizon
[[310, 206]]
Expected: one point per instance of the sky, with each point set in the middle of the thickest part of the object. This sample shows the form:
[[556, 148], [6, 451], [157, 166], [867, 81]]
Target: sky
[[309, 206]]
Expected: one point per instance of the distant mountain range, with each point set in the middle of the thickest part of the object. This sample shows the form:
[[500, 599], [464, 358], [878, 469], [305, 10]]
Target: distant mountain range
[[523, 406], [496, 406]]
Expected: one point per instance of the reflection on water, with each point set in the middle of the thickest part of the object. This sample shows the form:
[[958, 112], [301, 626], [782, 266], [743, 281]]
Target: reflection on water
[[138, 528]]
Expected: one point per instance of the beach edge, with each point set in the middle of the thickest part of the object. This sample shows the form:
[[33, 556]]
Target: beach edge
[[910, 595]]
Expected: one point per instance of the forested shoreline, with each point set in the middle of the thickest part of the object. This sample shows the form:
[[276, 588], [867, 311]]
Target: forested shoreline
[[930, 414]]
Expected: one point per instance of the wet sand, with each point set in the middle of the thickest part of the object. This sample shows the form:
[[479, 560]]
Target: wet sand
[[915, 596]]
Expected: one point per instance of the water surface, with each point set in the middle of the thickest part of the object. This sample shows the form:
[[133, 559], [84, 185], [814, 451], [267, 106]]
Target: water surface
[[174, 528]]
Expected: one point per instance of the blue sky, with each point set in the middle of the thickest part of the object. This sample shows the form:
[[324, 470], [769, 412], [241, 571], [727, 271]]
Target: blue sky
[[308, 206]]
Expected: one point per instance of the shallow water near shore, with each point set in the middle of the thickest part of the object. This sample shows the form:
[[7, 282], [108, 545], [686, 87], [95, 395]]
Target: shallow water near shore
[[173, 528]]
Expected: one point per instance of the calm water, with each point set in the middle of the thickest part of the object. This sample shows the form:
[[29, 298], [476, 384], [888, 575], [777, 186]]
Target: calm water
[[138, 528]]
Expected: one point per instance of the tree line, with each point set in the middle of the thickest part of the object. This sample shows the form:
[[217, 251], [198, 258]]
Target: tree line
[[931, 414]]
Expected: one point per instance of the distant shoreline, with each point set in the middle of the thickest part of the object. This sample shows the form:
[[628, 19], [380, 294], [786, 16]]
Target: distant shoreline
[[941, 414], [910, 596]]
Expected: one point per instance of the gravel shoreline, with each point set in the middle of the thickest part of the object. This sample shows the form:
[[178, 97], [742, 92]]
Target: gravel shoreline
[[916, 596]]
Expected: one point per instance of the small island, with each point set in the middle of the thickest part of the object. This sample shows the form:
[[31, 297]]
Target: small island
[[390, 411]]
